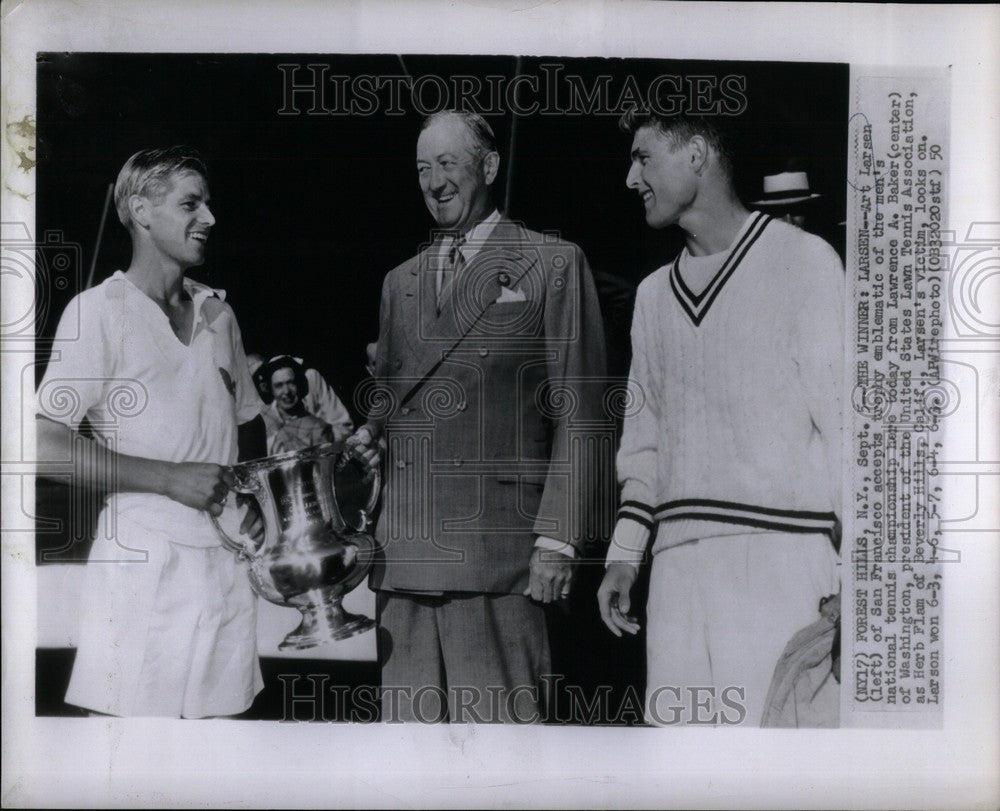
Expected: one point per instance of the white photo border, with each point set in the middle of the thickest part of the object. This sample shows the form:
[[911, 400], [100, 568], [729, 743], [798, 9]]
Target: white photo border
[[112, 762]]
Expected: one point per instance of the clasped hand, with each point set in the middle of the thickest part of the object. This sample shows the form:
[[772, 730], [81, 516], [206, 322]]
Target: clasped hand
[[205, 486], [550, 575], [363, 445]]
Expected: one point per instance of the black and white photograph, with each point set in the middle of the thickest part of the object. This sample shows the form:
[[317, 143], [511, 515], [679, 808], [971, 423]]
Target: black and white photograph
[[492, 410], [393, 406]]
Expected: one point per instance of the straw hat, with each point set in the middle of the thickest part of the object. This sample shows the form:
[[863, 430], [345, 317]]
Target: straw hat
[[785, 188]]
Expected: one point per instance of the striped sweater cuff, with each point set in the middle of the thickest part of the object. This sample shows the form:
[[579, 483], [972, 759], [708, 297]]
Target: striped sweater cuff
[[629, 542], [639, 512]]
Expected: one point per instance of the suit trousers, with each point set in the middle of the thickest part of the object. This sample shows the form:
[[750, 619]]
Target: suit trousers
[[720, 613], [462, 657]]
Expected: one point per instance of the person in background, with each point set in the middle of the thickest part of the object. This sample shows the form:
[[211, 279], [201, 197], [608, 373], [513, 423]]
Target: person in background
[[787, 197], [290, 427], [320, 400]]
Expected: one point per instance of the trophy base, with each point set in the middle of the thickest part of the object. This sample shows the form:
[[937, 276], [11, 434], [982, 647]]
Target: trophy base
[[325, 623]]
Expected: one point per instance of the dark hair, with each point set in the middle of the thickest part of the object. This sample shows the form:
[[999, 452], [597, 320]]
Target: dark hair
[[262, 377], [479, 129], [680, 128], [148, 171]]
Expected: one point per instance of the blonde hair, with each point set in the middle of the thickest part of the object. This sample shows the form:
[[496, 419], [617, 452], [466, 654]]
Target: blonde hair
[[148, 172]]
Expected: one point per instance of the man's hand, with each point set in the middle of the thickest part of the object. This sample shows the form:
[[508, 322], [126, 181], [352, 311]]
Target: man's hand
[[200, 485], [363, 446], [550, 575], [613, 598]]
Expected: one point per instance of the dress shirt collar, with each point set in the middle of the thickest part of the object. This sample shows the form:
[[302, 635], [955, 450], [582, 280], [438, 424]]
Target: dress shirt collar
[[475, 237]]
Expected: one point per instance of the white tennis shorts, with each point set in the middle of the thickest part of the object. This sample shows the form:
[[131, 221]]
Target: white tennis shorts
[[720, 613], [171, 635]]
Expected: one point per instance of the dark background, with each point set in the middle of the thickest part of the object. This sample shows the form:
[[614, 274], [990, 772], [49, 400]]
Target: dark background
[[313, 211]]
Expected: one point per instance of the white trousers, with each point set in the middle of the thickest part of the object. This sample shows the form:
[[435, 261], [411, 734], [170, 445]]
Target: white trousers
[[720, 613], [172, 635]]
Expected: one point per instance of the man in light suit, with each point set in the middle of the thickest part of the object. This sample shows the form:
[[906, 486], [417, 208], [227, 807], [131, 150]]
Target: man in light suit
[[491, 362]]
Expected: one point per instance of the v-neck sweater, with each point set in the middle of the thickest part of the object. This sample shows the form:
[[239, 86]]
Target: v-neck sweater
[[737, 379]]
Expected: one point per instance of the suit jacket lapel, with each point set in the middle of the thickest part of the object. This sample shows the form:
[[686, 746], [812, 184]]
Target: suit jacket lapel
[[431, 336], [418, 312], [506, 236]]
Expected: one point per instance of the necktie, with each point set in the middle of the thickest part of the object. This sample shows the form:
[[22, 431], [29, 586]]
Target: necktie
[[448, 271]]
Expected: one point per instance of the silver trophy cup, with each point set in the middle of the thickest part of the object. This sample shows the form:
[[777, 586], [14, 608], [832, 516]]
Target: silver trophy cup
[[316, 548]]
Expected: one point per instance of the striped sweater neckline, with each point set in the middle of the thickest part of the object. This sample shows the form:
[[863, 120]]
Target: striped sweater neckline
[[697, 305]]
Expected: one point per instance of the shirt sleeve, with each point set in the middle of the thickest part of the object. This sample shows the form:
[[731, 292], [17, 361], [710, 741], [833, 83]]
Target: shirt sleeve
[[574, 332], [552, 545], [322, 401], [628, 544], [248, 402], [818, 354], [80, 365], [639, 449]]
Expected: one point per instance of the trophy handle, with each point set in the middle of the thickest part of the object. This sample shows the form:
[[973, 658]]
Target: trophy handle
[[372, 501], [375, 490], [247, 484], [366, 550]]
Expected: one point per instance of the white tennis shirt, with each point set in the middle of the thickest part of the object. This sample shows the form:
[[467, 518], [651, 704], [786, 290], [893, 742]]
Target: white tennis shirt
[[117, 362]]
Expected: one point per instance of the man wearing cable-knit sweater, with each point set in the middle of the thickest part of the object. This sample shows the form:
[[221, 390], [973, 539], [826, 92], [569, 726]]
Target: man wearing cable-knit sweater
[[731, 469]]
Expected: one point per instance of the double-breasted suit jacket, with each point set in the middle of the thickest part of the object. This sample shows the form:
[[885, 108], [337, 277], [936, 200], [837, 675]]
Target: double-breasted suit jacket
[[492, 413]]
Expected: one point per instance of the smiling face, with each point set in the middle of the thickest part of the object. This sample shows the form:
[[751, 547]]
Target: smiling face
[[285, 389], [455, 181], [179, 220], [663, 175]]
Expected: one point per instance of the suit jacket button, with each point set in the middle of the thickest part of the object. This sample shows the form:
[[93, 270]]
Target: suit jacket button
[[456, 461], [404, 410], [483, 352], [399, 364], [400, 463]]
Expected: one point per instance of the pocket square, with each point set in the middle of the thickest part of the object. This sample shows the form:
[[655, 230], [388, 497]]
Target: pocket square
[[508, 296]]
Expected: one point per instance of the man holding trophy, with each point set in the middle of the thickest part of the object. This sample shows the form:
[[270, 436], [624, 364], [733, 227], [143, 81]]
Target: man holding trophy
[[155, 363], [490, 360]]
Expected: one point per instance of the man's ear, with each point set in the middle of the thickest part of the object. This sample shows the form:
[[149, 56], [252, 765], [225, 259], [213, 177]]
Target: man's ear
[[138, 208], [699, 151], [491, 165]]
